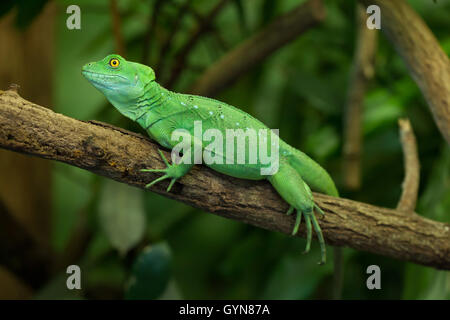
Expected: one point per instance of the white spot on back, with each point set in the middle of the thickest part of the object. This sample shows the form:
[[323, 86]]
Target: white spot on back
[[222, 116], [211, 113], [196, 107]]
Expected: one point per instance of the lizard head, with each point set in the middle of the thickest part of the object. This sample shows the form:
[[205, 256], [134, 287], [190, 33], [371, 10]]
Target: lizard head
[[121, 81]]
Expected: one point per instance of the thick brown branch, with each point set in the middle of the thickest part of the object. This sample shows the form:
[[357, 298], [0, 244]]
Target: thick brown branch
[[246, 55], [119, 155], [410, 185], [362, 72], [427, 62]]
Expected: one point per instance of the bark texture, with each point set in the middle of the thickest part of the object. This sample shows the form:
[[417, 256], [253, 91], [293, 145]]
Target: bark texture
[[427, 62]]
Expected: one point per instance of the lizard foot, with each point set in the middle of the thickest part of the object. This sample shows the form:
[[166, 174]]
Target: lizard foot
[[311, 221], [171, 172]]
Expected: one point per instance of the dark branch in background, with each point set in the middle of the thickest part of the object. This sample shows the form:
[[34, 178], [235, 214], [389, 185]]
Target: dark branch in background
[[182, 55], [410, 184], [165, 46], [20, 253], [248, 54], [117, 26], [119, 154], [427, 62], [362, 72], [151, 29]]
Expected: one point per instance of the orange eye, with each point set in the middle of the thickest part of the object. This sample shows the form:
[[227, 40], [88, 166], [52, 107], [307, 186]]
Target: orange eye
[[114, 62]]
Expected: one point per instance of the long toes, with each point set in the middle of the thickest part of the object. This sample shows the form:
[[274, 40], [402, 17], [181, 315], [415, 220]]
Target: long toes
[[153, 170], [171, 184], [156, 181], [163, 158], [319, 210], [308, 233], [291, 209], [323, 248], [298, 220]]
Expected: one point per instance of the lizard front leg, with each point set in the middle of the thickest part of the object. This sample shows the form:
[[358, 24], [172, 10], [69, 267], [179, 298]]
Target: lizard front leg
[[172, 171]]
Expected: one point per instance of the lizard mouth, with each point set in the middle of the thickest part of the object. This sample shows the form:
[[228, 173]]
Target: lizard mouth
[[103, 80]]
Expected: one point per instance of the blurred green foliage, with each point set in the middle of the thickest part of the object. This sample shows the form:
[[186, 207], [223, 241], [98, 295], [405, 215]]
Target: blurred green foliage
[[301, 90]]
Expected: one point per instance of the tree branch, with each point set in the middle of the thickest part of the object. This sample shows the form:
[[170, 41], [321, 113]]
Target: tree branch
[[427, 62], [119, 154], [246, 55], [182, 55], [151, 29], [362, 73], [117, 27], [410, 184]]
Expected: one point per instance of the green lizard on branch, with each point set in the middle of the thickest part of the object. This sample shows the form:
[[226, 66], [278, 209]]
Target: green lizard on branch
[[132, 89]]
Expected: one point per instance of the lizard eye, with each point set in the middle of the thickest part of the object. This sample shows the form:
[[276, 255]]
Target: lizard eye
[[114, 62]]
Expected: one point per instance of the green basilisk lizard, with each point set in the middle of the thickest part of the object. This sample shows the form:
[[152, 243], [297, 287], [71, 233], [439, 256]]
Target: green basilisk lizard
[[132, 89]]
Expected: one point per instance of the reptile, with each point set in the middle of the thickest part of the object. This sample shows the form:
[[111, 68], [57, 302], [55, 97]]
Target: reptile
[[132, 89]]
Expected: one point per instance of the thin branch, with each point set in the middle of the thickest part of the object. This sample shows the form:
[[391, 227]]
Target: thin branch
[[151, 30], [117, 26], [165, 46], [410, 184], [119, 154], [238, 61], [202, 28], [362, 73], [427, 62]]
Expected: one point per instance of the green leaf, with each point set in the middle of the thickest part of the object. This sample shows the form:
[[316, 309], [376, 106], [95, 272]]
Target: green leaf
[[122, 215], [150, 273]]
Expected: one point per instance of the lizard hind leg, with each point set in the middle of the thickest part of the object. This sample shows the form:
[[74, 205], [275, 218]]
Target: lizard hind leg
[[297, 194]]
